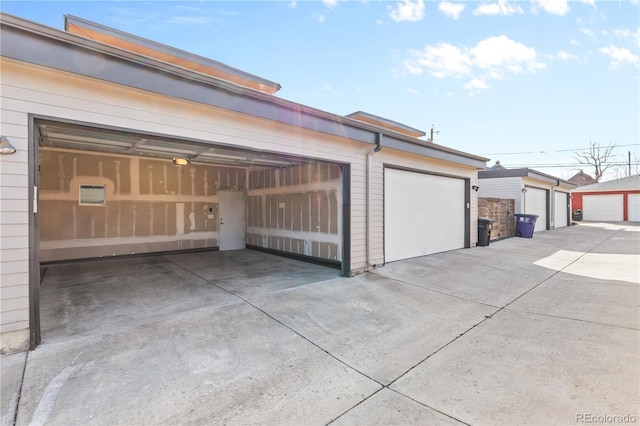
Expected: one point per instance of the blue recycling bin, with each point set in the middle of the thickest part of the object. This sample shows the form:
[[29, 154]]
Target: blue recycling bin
[[525, 223]]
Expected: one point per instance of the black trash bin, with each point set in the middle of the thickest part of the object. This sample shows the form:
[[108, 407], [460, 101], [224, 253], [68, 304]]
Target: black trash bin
[[577, 215], [484, 231], [525, 224]]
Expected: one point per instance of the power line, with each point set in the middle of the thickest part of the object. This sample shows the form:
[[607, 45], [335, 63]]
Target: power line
[[558, 150]]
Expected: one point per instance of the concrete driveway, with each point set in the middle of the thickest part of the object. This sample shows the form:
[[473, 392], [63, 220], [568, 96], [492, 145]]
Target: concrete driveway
[[525, 331]]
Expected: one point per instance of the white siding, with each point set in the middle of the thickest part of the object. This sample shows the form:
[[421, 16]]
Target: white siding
[[509, 188], [14, 229]]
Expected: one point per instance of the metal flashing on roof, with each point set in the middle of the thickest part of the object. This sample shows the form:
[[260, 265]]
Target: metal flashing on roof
[[386, 123], [143, 46], [524, 172], [29, 42]]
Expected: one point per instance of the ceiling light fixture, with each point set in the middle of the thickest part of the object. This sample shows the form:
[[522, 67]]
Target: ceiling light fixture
[[5, 146], [181, 161]]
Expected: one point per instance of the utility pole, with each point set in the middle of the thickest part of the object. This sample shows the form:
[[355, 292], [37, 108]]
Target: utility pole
[[629, 163]]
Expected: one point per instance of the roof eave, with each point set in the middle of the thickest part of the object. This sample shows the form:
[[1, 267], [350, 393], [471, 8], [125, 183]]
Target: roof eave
[[18, 33]]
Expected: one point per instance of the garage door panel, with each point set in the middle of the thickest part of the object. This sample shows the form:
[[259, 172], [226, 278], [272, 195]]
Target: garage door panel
[[424, 214], [634, 207], [603, 208], [561, 209], [536, 203]]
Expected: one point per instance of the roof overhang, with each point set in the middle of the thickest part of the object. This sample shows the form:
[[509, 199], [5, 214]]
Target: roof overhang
[[525, 172], [152, 49], [33, 43], [386, 123]]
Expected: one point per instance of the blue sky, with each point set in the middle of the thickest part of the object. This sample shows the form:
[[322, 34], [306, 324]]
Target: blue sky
[[523, 82]]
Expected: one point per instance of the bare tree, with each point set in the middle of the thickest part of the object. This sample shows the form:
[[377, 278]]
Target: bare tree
[[596, 156]]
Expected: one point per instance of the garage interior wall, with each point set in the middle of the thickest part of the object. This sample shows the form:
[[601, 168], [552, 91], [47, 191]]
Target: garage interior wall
[[152, 205], [296, 209]]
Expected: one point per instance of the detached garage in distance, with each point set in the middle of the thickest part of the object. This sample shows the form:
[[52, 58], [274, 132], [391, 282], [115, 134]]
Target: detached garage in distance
[[534, 192], [612, 201], [126, 146]]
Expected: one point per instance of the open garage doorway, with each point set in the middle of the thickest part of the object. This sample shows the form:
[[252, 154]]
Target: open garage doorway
[[108, 195]]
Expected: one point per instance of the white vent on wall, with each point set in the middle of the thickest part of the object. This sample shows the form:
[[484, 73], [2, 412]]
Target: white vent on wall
[[92, 195]]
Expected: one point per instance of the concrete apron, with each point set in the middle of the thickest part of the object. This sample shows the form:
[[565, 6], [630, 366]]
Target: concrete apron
[[526, 331]]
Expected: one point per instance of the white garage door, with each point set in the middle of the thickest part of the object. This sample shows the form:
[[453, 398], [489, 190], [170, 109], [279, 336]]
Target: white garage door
[[535, 202], [560, 208], [423, 214], [634, 207], [604, 208]]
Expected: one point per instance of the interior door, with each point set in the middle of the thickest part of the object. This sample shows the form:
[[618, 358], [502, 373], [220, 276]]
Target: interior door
[[232, 220]]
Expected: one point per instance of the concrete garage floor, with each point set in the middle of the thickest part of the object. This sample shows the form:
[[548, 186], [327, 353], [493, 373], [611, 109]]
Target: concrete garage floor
[[525, 331]]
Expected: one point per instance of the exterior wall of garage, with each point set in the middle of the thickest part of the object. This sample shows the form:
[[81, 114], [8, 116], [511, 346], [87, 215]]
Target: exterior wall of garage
[[32, 91], [507, 188]]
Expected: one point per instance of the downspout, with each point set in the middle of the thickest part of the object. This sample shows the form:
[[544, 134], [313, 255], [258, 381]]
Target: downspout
[[377, 148]]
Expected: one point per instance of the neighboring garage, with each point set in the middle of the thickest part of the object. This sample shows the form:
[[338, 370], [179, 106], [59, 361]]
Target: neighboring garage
[[125, 146], [534, 192], [612, 201]]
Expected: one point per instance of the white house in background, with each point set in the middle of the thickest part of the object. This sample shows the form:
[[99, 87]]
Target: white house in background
[[534, 192], [612, 201], [125, 145]]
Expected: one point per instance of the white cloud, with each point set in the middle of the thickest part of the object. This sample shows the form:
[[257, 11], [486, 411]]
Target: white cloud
[[619, 56], [587, 31], [476, 85], [501, 54], [502, 7], [408, 11], [563, 56], [452, 10], [494, 58], [330, 3], [573, 42], [555, 7], [413, 91], [293, 4], [626, 34], [320, 17], [441, 61], [328, 88]]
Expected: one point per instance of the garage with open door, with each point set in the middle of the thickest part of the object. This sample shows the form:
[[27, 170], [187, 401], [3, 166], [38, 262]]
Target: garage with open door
[[161, 165], [536, 202], [424, 214], [604, 208], [561, 207], [106, 193]]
